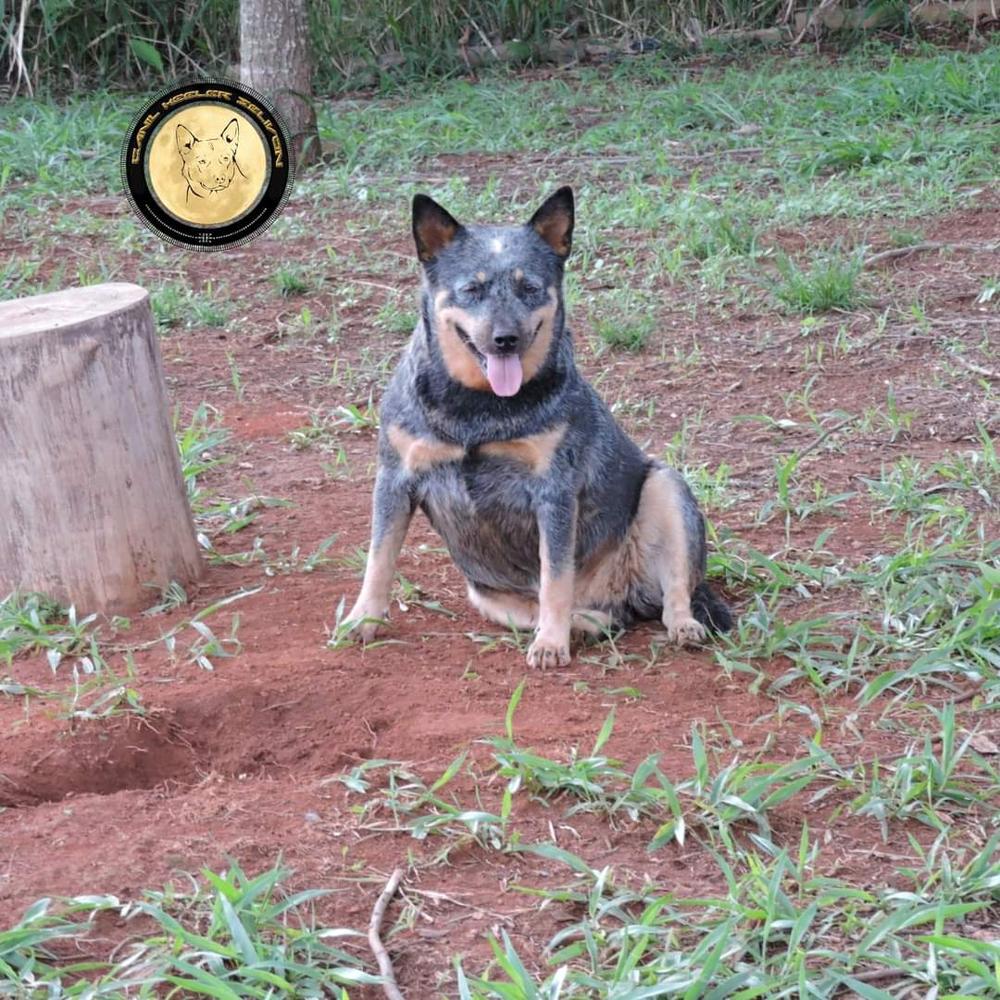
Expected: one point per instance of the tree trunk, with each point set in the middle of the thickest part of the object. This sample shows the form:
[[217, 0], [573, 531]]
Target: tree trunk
[[93, 510], [276, 60]]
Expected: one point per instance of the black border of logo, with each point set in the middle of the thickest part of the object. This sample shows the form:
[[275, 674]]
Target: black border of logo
[[239, 232]]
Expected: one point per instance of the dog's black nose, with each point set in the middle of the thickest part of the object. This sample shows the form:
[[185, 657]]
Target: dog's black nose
[[505, 342]]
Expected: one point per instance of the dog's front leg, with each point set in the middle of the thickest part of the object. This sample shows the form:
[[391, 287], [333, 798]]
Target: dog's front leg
[[557, 544], [392, 511]]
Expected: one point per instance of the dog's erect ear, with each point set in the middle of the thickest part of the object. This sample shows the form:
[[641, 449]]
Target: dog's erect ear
[[231, 133], [185, 141], [433, 227], [554, 221]]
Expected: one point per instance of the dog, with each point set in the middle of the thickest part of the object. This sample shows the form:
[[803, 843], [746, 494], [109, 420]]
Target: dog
[[556, 519], [208, 165]]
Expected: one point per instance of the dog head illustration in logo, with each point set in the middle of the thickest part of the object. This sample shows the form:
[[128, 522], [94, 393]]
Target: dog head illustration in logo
[[209, 165]]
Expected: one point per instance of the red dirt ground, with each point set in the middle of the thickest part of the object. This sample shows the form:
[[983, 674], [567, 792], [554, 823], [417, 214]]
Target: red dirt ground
[[236, 762]]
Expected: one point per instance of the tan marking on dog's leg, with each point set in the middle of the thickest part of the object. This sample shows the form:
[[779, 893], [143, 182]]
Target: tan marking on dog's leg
[[555, 608], [380, 570], [421, 454], [545, 316], [662, 513], [535, 451], [462, 365], [511, 610]]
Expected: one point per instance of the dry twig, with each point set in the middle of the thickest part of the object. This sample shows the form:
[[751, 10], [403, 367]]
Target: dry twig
[[877, 258], [989, 373], [374, 936]]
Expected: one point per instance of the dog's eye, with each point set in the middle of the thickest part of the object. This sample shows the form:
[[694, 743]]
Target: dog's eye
[[530, 287], [471, 289]]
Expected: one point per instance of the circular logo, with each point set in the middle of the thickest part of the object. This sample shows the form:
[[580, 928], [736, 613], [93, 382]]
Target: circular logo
[[207, 165]]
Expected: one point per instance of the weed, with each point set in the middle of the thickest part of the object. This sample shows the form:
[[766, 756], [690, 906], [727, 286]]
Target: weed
[[989, 293], [31, 622], [199, 444], [29, 960], [177, 305], [849, 153], [420, 810], [830, 282], [356, 418], [713, 803], [626, 319], [930, 784], [234, 376], [292, 279], [779, 930]]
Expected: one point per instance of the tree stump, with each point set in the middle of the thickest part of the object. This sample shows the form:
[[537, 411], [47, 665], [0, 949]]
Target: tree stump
[[93, 510]]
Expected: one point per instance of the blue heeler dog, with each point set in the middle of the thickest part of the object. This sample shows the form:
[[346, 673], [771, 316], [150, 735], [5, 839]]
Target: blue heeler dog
[[555, 517]]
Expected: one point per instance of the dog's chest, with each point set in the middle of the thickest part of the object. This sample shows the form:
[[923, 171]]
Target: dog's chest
[[484, 507], [496, 479]]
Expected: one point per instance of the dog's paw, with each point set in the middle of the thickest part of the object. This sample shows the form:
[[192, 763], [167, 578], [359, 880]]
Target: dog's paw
[[685, 631], [365, 622], [549, 651]]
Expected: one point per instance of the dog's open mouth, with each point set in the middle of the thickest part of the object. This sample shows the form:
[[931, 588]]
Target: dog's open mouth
[[467, 340], [503, 371]]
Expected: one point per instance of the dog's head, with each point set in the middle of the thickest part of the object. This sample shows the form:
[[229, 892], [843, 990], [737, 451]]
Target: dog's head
[[495, 292], [209, 165]]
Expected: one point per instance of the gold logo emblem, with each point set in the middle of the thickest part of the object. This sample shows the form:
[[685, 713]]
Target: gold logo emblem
[[207, 165]]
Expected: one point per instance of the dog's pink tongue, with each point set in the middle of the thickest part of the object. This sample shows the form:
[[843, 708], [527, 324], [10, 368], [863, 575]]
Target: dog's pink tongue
[[504, 374]]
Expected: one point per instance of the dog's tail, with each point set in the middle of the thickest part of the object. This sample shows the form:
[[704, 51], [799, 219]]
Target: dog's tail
[[710, 610]]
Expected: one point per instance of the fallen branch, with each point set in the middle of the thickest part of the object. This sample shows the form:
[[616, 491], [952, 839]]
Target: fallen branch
[[989, 373], [878, 258], [968, 695], [880, 975], [375, 941]]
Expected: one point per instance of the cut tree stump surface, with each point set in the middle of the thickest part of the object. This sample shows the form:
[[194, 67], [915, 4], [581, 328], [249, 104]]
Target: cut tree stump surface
[[93, 510]]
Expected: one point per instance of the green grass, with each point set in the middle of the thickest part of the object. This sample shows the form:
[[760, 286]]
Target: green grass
[[226, 934], [780, 930], [292, 279], [176, 305], [33, 622], [828, 282], [626, 320]]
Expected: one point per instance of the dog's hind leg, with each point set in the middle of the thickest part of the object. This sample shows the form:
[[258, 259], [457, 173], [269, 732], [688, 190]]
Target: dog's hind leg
[[504, 608], [519, 612], [392, 511], [673, 534], [590, 621]]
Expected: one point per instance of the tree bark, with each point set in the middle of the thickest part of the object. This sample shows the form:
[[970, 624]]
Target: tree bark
[[93, 510], [276, 60]]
